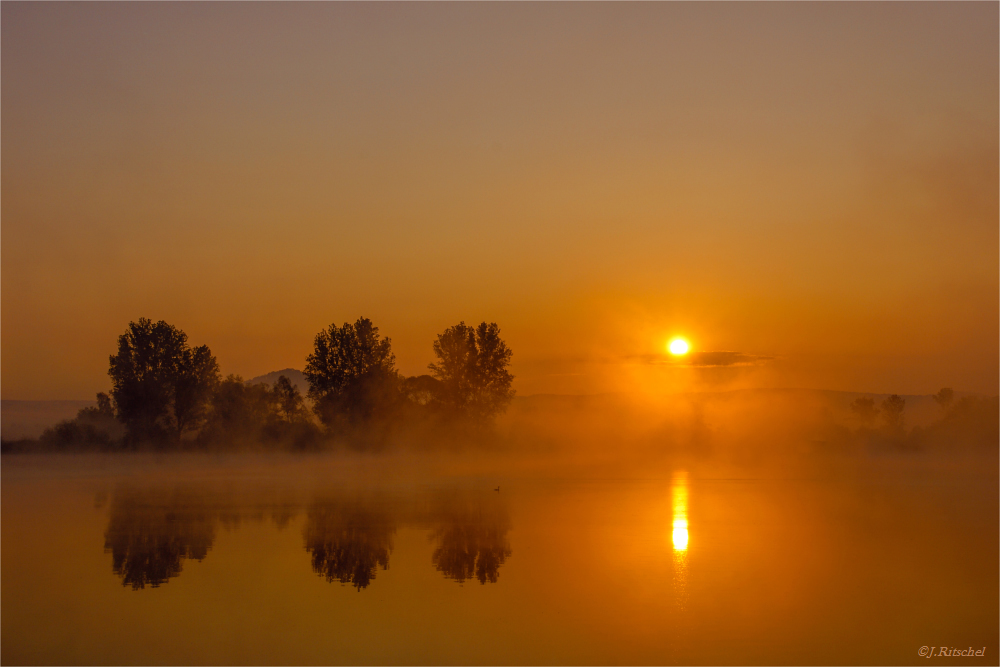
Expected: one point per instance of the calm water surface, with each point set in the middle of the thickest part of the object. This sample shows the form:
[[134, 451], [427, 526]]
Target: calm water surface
[[313, 562]]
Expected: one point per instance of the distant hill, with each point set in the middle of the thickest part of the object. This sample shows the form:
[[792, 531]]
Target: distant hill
[[296, 378]]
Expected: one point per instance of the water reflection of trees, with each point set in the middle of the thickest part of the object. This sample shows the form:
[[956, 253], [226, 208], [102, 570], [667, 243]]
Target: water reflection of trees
[[471, 540], [349, 540], [348, 537], [152, 531], [149, 536]]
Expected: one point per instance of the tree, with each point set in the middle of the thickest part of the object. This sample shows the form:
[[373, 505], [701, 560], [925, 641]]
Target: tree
[[257, 414], [351, 374], [104, 408], [238, 414], [472, 368], [420, 390], [944, 397], [199, 374], [288, 401], [160, 386], [289, 423], [892, 411], [864, 408]]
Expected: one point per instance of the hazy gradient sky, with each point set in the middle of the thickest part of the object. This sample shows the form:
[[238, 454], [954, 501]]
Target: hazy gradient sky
[[814, 184]]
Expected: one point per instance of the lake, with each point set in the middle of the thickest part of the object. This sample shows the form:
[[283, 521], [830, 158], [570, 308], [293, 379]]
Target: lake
[[367, 560]]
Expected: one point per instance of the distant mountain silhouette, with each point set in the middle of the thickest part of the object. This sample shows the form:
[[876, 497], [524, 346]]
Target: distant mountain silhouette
[[296, 378]]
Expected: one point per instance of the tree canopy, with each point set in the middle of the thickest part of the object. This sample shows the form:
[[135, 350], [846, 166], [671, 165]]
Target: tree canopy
[[945, 397], [864, 408], [351, 373], [892, 411], [159, 385], [472, 369]]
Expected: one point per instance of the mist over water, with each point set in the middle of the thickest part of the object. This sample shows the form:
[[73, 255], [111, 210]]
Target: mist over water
[[752, 528]]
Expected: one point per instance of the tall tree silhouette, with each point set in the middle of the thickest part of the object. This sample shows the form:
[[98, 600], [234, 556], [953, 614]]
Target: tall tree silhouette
[[288, 401], [892, 411], [351, 374], [864, 408], [472, 368], [160, 386]]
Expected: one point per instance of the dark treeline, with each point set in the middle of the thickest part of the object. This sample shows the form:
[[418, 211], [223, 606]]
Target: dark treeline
[[167, 395], [348, 538], [968, 421]]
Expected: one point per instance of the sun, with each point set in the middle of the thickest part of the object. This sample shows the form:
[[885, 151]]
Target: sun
[[678, 347]]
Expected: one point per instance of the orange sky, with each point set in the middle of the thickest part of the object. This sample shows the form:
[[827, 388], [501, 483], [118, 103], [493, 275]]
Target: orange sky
[[814, 186]]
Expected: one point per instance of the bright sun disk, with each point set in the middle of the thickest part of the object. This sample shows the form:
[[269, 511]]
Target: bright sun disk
[[679, 346]]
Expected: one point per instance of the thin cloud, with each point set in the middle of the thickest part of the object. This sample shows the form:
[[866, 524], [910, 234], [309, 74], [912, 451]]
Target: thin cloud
[[719, 359]]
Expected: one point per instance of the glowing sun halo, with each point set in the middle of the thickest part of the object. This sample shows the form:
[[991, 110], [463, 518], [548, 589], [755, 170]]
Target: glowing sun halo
[[678, 346]]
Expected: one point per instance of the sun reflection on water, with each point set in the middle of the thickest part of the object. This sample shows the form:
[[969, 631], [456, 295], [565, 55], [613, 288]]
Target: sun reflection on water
[[679, 537], [679, 491]]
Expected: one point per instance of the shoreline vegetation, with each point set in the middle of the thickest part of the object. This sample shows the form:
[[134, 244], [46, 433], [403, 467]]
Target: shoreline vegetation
[[166, 396]]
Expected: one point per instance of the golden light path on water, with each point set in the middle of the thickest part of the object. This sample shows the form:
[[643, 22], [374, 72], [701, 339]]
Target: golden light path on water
[[679, 536], [679, 491]]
